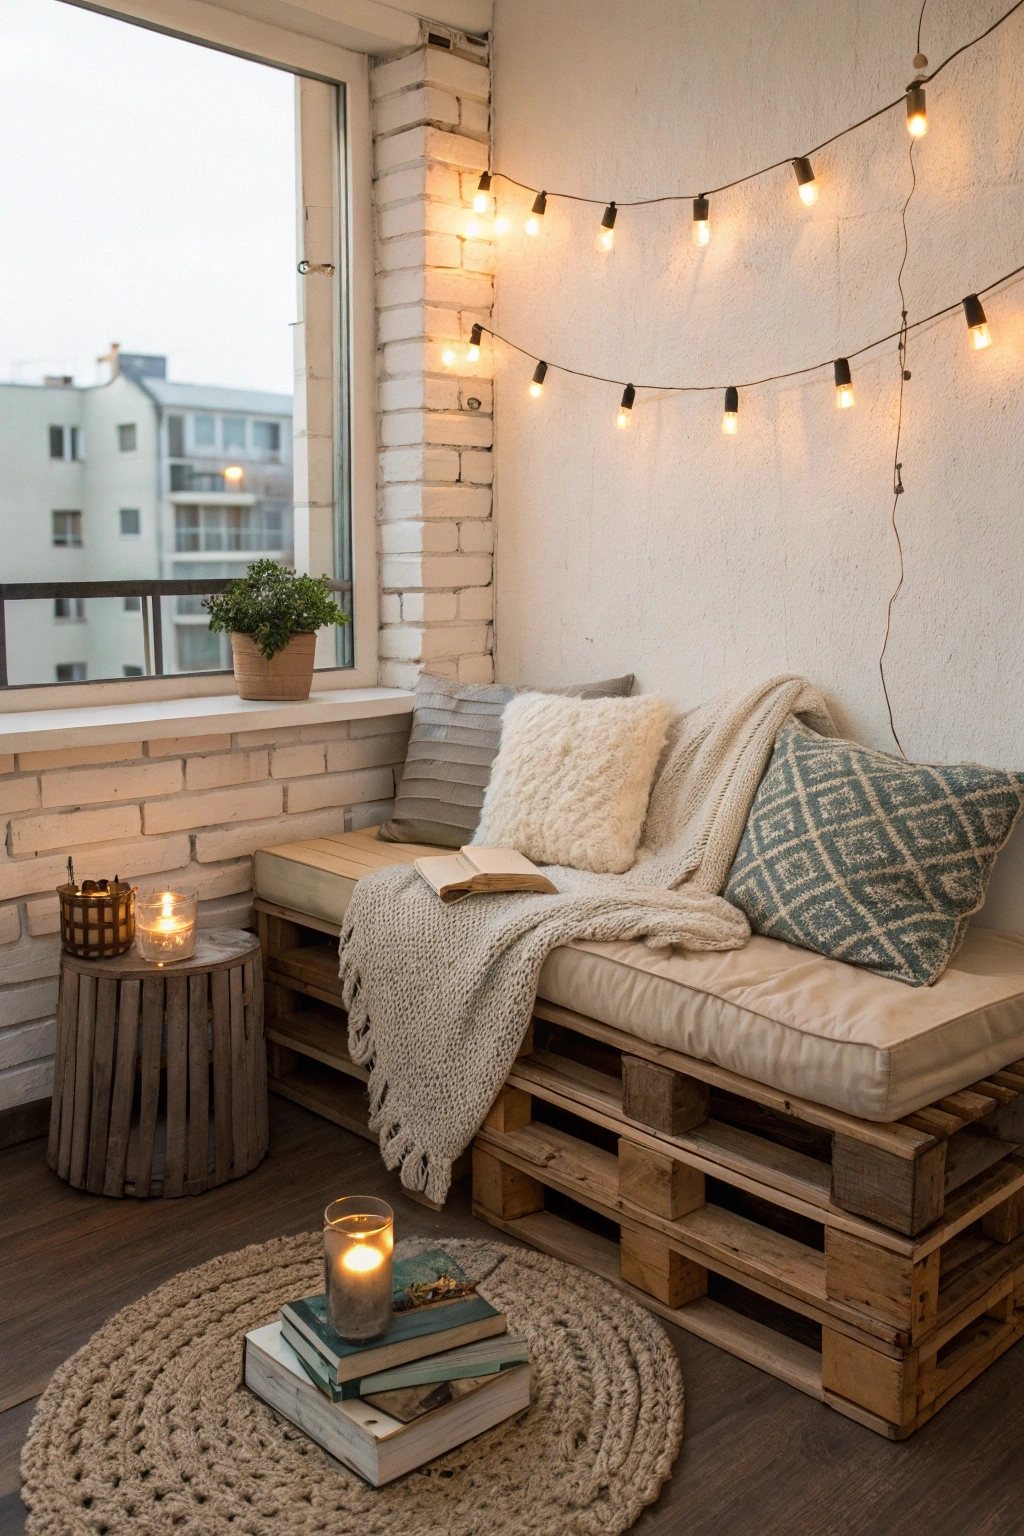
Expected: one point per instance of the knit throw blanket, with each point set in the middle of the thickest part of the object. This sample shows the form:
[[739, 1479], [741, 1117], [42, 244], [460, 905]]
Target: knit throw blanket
[[439, 997]]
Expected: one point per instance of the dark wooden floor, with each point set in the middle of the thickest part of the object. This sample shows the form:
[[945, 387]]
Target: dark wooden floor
[[758, 1459]]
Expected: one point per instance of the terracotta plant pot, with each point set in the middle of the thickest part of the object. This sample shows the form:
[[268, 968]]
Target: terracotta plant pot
[[288, 675]]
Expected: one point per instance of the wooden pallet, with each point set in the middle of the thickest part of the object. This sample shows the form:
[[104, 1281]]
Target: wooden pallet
[[307, 1027], [728, 1224]]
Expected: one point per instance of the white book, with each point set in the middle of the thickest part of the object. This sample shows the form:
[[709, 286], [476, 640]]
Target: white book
[[366, 1439]]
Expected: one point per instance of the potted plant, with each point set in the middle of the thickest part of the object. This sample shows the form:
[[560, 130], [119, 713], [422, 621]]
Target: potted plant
[[272, 616]]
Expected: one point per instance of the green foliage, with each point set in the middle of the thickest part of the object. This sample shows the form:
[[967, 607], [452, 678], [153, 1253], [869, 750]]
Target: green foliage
[[272, 604]]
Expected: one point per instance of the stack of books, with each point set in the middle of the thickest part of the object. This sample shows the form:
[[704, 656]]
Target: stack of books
[[446, 1370]]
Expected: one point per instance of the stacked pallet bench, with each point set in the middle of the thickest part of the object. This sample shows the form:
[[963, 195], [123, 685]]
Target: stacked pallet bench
[[877, 1267]]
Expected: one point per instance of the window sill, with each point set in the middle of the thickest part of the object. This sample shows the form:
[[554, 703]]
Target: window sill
[[39, 730]]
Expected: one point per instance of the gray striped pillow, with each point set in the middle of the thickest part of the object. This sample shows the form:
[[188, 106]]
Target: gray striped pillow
[[456, 732]]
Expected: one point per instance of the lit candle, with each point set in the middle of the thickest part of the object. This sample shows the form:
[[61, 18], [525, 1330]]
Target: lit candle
[[358, 1242], [165, 926]]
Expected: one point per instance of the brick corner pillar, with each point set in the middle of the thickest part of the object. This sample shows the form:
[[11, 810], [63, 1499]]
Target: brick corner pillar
[[435, 266]]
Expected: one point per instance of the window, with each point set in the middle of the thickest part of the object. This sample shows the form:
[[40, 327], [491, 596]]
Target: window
[[66, 443], [133, 605], [130, 670], [71, 671], [198, 649], [131, 521], [212, 529], [69, 608], [67, 529], [203, 360]]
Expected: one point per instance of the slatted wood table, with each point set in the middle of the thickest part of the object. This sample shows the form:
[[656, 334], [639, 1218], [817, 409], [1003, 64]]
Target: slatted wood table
[[160, 1081]]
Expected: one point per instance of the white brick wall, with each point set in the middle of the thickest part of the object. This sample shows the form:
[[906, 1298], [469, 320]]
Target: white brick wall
[[187, 813], [434, 281]]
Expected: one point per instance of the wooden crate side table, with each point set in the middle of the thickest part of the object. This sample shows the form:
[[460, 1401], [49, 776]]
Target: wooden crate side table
[[128, 1021]]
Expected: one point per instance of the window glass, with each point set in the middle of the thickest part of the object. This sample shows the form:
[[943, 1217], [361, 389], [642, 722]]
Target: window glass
[[71, 671], [233, 428], [67, 528], [131, 670], [69, 608], [204, 431], [193, 271]]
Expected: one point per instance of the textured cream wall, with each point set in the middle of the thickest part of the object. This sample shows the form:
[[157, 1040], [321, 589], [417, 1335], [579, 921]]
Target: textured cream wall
[[702, 561]]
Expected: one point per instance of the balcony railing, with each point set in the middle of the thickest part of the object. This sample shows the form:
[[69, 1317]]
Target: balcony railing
[[150, 593]]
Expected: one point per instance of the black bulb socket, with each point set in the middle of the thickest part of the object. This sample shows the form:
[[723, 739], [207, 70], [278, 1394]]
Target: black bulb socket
[[628, 396], [476, 335], [700, 209], [540, 203], [915, 100], [539, 373], [608, 222], [484, 184], [732, 399], [803, 170], [973, 311], [841, 369]]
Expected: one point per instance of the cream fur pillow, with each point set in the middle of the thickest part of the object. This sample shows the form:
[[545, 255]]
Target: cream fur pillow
[[572, 777]]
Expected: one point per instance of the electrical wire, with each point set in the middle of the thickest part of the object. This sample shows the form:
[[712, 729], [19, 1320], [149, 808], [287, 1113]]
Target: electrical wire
[[725, 186], [768, 378]]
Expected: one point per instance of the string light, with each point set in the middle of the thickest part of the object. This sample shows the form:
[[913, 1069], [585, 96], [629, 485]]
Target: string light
[[500, 224], [701, 227], [844, 384], [537, 382], [537, 212], [806, 184], [626, 407], [606, 234], [917, 117], [731, 414], [448, 357], [977, 324], [473, 350], [483, 187]]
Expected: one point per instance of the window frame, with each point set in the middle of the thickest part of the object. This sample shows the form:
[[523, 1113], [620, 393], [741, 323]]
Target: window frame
[[335, 367]]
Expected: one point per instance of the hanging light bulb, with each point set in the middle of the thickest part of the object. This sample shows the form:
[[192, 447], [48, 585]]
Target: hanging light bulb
[[977, 324], [806, 184], [537, 212], [701, 228], [844, 384], [537, 382], [626, 407], [473, 350], [731, 413], [481, 199], [606, 234], [917, 117], [448, 357], [500, 224]]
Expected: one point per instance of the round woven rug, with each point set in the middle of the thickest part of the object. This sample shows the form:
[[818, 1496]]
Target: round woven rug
[[147, 1427]]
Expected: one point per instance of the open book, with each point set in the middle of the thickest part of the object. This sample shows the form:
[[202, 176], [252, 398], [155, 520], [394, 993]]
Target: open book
[[474, 871]]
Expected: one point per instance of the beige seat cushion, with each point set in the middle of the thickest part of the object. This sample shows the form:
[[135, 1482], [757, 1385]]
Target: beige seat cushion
[[817, 1028]]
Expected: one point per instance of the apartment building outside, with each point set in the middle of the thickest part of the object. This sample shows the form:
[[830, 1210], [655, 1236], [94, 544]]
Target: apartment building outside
[[139, 478]]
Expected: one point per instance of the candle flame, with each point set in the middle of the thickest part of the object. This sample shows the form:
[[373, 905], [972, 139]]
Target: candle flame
[[361, 1260]]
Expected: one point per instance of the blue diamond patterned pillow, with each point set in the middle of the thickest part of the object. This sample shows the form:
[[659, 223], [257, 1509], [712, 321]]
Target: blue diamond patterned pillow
[[867, 859]]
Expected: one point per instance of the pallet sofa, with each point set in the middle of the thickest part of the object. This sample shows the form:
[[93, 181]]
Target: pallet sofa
[[812, 1167]]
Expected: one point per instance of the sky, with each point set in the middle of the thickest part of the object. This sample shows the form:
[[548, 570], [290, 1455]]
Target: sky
[[147, 189]]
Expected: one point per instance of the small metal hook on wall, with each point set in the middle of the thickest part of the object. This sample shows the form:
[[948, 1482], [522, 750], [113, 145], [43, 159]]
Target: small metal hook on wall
[[315, 266]]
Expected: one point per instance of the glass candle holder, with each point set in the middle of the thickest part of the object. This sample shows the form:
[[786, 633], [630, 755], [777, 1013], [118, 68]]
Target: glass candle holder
[[359, 1236], [165, 925]]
